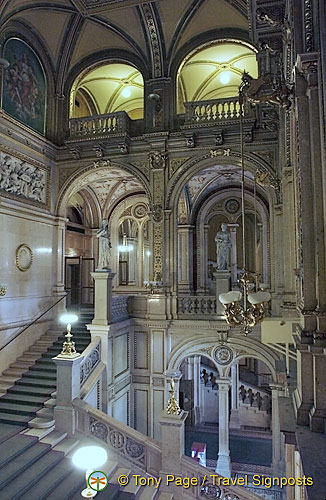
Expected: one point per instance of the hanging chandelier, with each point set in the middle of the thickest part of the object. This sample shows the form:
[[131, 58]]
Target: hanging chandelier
[[247, 308]]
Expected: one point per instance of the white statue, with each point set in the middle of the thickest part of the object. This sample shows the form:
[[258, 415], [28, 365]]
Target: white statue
[[223, 245], [104, 246]]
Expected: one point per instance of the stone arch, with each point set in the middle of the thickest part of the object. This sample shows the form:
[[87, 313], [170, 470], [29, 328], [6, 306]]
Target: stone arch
[[200, 221], [82, 173], [211, 36], [240, 346], [99, 59]]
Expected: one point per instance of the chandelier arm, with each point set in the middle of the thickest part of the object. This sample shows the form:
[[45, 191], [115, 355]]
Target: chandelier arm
[[241, 102]]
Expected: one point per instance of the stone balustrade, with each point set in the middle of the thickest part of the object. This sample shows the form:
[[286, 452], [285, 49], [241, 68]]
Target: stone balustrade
[[197, 305], [208, 486], [212, 111], [98, 125], [132, 445], [146, 453], [92, 357]]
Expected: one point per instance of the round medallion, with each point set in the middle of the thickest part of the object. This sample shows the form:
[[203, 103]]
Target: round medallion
[[140, 210], [232, 206], [223, 355], [24, 257]]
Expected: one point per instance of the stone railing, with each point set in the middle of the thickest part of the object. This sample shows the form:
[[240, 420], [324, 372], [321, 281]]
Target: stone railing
[[92, 357], [197, 305], [119, 310], [133, 446], [146, 454], [210, 484], [210, 112], [98, 125]]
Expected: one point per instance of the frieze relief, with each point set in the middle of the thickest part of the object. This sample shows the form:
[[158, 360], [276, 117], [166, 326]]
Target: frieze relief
[[20, 178]]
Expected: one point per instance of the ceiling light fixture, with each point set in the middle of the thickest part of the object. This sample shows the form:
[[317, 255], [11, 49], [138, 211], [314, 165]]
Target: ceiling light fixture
[[126, 92], [225, 77]]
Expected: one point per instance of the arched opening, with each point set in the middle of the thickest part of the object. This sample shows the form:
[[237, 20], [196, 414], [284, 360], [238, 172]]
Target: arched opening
[[214, 72], [246, 402], [116, 195], [208, 199], [106, 89]]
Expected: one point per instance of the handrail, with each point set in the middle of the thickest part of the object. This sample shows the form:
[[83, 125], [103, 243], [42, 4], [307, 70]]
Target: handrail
[[32, 322]]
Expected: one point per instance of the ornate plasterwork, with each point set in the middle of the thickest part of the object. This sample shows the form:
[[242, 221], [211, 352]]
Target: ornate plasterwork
[[223, 355], [174, 164], [19, 177], [154, 39]]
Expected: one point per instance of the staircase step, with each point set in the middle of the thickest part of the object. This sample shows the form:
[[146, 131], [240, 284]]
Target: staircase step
[[41, 423], [44, 413], [8, 379], [38, 433], [18, 409], [132, 487], [148, 493], [26, 380], [67, 445], [42, 374], [54, 438], [29, 356], [118, 472], [39, 367], [13, 372], [50, 403], [46, 484], [15, 446], [25, 389], [165, 496], [20, 365], [27, 399], [71, 484], [4, 386], [11, 470], [14, 419], [30, 477]]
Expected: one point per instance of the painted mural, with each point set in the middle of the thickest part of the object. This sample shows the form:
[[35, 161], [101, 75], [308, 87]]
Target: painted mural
[[24, 88]]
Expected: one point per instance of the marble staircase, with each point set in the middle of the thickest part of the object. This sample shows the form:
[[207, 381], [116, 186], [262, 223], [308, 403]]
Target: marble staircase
[[35, 464], [28, 385]]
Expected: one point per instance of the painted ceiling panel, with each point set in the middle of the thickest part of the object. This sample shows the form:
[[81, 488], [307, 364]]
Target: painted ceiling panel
[[93, 38], [51, 32], [207, 19]]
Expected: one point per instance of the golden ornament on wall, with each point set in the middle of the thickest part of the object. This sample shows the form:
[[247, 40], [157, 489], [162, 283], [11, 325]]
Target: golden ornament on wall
[[24, 257]]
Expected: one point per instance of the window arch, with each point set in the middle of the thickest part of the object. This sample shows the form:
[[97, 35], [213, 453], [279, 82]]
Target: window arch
[[108, 88], [214, 71]]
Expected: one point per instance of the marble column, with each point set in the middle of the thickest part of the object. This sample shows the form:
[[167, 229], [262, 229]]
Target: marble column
[[317, 414], [185, 235], [278, 439], [234, 419], [197, 389], [233, 253], [59, 261], [223, 465], [131, 256]]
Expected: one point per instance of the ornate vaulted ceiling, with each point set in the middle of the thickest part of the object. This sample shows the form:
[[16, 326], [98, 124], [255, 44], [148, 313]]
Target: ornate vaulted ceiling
[[69, 31]]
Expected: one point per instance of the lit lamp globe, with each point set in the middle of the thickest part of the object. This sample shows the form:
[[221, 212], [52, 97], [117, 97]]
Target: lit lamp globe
[[89, 459], [68, 349]]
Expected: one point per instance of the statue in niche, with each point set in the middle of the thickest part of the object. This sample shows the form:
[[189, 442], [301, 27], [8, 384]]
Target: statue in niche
[[104, 246], [223, 245]]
